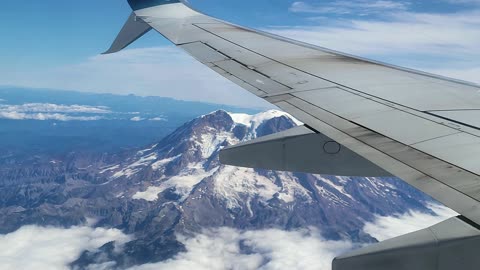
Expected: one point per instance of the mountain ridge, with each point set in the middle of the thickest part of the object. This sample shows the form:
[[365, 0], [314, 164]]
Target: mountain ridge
[[177, 186]]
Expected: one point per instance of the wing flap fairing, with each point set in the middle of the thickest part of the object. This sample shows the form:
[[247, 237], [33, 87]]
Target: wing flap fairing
[[452, 244]]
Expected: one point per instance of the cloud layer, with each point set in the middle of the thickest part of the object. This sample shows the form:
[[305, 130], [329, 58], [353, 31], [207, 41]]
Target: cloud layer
[[55, 108], [392, 226], [33, 247], [48, 111], [406, 38], [46, 116], [361, 7], [272, 249]]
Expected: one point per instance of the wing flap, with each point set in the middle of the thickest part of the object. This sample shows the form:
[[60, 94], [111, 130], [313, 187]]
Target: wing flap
[[300, 150]]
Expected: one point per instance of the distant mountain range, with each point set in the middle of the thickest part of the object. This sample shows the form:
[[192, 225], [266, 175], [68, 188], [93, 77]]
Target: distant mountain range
[[36, 121], [177, 186]]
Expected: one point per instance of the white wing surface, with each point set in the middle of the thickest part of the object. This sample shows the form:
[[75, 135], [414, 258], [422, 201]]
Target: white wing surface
[[423, 128]]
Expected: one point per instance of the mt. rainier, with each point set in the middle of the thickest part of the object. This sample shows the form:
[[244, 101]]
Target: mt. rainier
[[178, 187], [182, 172]]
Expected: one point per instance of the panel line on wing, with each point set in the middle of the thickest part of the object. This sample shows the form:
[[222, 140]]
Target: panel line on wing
[[293, 91], [453, 120], [360, 110], [432, 139], [261, 73], [253, 89]]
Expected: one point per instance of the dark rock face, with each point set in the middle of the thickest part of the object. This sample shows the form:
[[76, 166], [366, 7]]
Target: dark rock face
[[178, 186]]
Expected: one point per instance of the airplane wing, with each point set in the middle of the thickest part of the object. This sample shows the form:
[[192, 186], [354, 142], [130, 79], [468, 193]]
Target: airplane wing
[[361, 118]]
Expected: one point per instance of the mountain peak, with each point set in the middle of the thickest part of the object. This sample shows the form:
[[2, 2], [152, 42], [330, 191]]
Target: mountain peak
[[249, 119], [217, 113], [263, 123]]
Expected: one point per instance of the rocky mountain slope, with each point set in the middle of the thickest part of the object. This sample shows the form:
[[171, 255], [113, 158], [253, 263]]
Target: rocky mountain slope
[[178, 186]]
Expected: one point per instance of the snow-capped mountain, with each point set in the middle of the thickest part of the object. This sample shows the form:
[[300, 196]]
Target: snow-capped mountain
[[190, 155], [177, 185], [182, 172]]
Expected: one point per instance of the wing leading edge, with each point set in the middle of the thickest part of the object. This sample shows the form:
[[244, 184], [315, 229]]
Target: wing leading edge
[[420, 127]]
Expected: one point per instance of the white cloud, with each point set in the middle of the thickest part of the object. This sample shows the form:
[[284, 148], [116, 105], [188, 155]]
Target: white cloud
[[48, 111], [411, 33], [274, 249], [268, 250], [45, 116], [392, 226], [359, 7], [161, 71], [33, 247], [136, 119], [407, 39], [159, 118], [55, 108]]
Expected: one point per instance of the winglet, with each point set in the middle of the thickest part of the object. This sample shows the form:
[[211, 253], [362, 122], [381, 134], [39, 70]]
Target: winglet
[[133, 29]]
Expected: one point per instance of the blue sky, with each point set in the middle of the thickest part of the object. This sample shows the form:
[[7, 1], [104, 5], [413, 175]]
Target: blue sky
[[55, 43]]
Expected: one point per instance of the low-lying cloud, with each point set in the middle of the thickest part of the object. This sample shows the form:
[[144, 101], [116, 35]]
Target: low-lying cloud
[[136, 119], [384, 228], [55, 108], [49, 111], [159, 118], [33, 247], [46, 116], [273, 249]]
